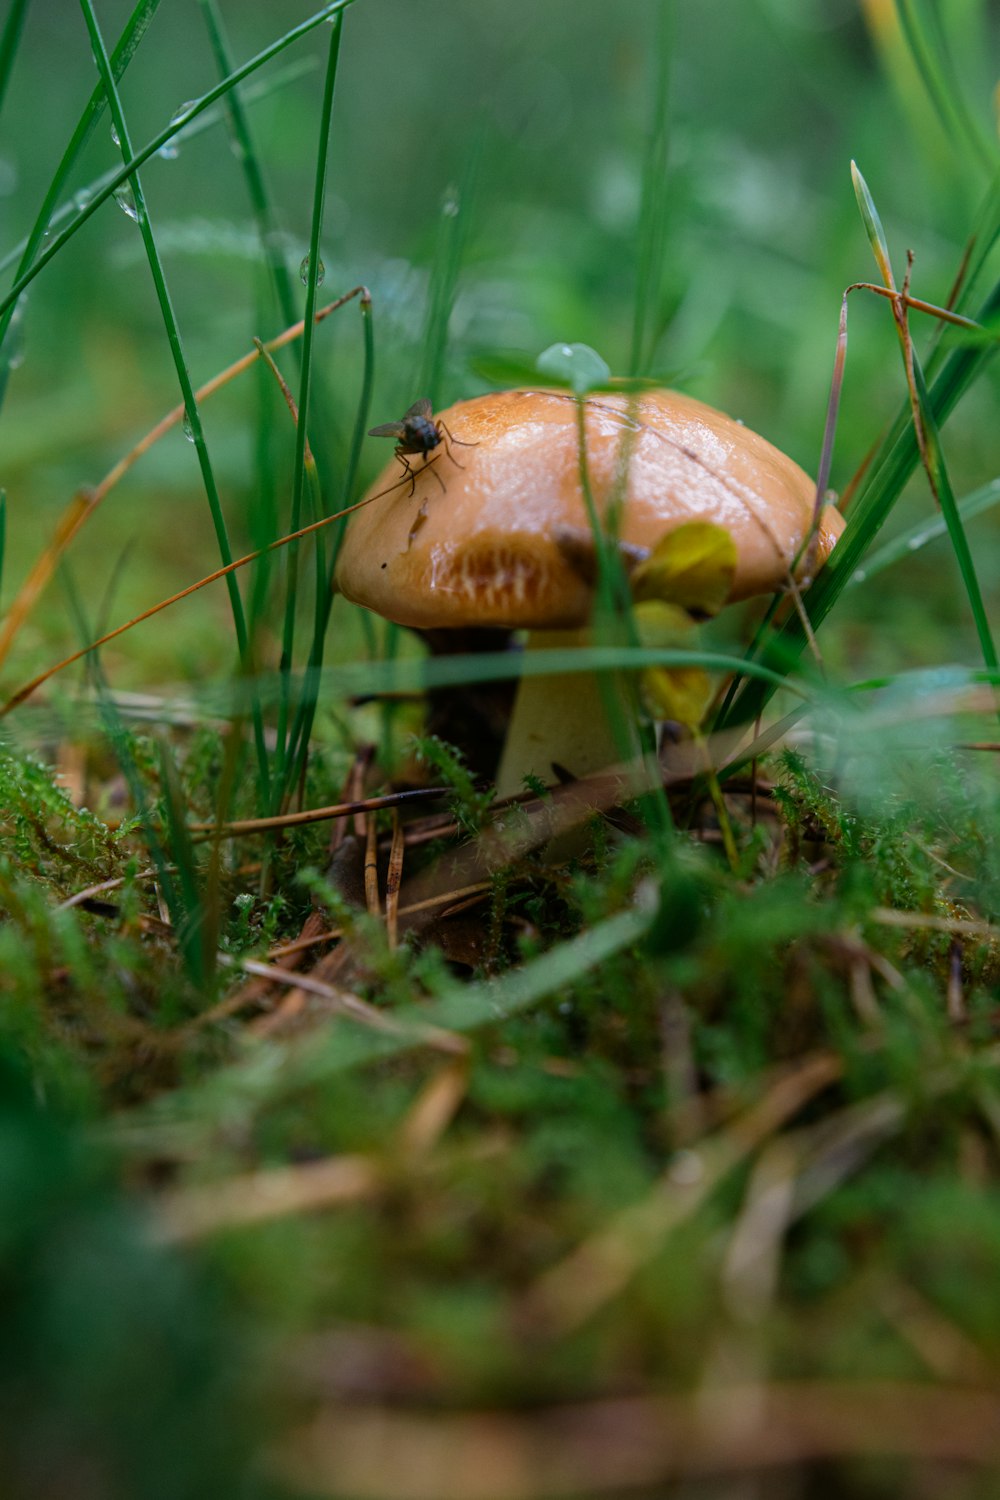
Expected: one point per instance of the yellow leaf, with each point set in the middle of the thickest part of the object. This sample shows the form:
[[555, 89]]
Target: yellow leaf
[[681, 694], [693, 566]]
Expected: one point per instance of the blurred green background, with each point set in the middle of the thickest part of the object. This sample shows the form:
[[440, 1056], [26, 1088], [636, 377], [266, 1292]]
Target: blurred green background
[[531, 121]]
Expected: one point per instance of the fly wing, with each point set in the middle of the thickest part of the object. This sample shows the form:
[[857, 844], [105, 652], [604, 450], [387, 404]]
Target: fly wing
[[387, 429], [421, 408]]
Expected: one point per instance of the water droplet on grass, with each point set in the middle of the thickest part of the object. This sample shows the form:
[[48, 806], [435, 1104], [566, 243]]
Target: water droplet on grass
[[82, 199], [116, 138], [125, 198], [304, 271], [171, 149], [187, 428]]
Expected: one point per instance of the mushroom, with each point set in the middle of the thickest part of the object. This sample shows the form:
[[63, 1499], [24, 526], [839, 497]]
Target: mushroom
[[491, 537]]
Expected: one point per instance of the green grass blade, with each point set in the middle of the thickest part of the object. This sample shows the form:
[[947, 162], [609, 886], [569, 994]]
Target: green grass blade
[[928, 45], [306, 711], [916, 537], [122, 55], [180, 364], [651, 236], [197, 107], [186, 130], [889, 472], [930, 444], [9, 42], [282, 756], [937, 473], [873, 226], [267, 226], [408, 675]]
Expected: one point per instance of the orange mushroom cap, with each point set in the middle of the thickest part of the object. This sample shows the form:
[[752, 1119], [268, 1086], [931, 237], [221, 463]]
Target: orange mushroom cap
[[486, 546]]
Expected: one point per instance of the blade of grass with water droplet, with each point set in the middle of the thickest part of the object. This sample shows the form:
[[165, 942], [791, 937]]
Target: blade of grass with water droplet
[[198, 106], [916, 537], [121, 57]]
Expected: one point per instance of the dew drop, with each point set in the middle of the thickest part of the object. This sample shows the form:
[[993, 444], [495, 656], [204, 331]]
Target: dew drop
[[916, 542], [116, 138], [304, 271], [171, 149], [82, 199], [187, 428], [125, 198]]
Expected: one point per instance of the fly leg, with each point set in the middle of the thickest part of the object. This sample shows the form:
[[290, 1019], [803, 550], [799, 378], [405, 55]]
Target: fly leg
[[449, 438]]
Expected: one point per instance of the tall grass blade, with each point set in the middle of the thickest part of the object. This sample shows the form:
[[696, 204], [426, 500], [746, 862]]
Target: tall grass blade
[[253, 172], [180, 366], [928, 45], [197, 107], [306, 711], [940, 482], [925, 427], [916, 537], [888, 473], [281, 785], [120, 58], [182, 129]]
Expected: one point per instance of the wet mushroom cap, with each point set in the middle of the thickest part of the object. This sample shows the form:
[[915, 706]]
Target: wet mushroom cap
[[488, 544]]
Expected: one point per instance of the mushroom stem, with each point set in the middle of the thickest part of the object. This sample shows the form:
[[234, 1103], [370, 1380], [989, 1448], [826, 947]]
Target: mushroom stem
[[566, 720]]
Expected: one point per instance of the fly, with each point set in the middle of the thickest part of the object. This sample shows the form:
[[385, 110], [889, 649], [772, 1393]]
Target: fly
[[418, 432]]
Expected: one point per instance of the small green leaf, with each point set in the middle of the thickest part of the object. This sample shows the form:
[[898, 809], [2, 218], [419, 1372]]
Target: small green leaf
[[693, 566], [575, 365]]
